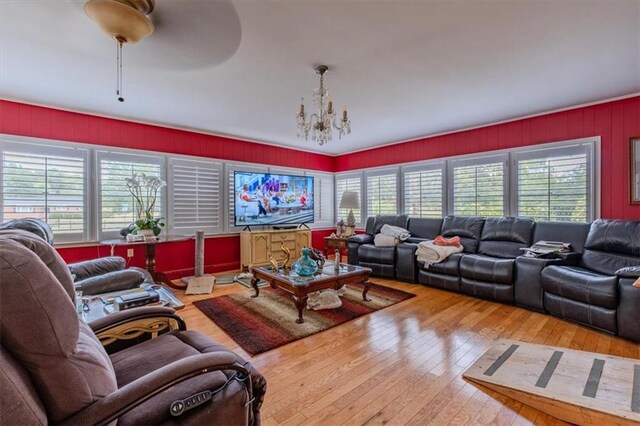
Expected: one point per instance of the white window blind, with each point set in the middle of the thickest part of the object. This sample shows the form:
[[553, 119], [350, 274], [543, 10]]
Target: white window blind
[[46, 183], [195, 189], [323, 193], [382, 193], [554, 185], [478, 188], [423, 192], [348, 183], [117, 208]]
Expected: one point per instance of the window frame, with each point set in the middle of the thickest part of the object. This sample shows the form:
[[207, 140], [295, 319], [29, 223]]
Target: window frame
[[37, 147], [373, 173], [587, 146], [479, 160], [425, 167], [170, 189], [347, 176], [113, 155]]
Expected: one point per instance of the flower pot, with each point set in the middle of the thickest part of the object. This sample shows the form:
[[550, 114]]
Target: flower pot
[[148, 234]]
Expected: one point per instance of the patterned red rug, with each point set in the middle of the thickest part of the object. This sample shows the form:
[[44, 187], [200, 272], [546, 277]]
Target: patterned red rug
[[269, 320]]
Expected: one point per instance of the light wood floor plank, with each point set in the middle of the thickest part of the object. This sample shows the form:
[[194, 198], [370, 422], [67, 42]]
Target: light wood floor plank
[[403, 365]]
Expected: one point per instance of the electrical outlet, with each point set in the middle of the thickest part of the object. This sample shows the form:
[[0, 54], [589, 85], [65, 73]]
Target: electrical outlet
[[129, 252]]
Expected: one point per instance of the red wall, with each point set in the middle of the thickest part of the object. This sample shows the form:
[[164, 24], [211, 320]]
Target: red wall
[[615, 122], [177, 259]]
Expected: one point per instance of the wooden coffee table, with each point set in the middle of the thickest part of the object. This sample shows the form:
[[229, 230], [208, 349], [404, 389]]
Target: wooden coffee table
[[300, 287]]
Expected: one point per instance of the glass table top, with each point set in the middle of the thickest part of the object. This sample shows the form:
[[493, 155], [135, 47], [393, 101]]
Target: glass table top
[[327, 272]]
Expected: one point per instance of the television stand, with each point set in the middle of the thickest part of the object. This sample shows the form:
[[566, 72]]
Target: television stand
[[257, 246], [303, 224]]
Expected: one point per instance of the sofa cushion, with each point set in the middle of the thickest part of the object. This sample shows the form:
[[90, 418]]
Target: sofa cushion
[[368, 253], [449, 266], [424, 227], [468, 228], [400, 220], [505, 236], [40, 327], [582, 285], [611, 245], [489, 269]]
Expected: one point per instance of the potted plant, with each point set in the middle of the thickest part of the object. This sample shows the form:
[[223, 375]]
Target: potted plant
[[145, 193]]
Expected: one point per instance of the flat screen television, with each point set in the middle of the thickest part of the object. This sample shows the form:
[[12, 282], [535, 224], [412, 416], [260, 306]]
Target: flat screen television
[[271, 199]]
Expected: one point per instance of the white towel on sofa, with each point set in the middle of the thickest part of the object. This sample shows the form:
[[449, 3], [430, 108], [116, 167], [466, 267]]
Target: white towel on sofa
[[395, 231], [381, 240], [430, 253]]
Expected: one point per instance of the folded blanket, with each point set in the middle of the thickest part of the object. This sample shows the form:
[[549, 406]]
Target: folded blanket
[[395, 231], [430, 253], [442, 241], [381, 240]]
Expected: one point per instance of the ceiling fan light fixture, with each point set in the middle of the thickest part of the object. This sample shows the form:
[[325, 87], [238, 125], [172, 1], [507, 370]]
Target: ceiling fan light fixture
[[123, 20]]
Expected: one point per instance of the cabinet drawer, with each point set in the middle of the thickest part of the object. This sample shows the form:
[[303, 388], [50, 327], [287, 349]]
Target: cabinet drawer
[[291, 245], [285, 236]]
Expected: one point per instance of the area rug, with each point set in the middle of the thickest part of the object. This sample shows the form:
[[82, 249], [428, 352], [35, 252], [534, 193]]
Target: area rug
[[269, 320]]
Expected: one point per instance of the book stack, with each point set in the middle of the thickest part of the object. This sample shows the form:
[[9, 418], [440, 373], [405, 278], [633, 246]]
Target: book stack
[[544, 248]]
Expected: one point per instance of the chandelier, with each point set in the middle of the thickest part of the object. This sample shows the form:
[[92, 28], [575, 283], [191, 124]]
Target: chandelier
[[322, 122]]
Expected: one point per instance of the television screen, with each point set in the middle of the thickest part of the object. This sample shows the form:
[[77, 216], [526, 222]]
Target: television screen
[[270, 199]]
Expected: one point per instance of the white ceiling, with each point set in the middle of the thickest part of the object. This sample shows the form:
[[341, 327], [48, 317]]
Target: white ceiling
[[404, 69]]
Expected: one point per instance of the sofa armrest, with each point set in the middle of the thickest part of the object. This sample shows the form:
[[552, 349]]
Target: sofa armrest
[[629, 272], [111, 281], [91, 268], [127, 328], [116, 404], [142, 312], [361, 239], [528, 291]]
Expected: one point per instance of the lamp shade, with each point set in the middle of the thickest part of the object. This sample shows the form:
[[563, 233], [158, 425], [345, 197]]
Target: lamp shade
[[350, 200]]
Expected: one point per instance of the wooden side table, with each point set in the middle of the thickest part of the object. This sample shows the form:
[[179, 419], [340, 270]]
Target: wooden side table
[[150, 255], [336, 243]]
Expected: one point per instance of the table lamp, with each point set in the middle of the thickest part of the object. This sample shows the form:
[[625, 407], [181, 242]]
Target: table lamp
[[350, 200]]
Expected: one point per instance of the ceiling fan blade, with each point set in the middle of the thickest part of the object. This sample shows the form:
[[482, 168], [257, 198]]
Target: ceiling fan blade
[[189, 35]]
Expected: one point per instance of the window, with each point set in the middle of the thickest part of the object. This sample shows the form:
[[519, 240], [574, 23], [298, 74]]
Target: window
[[194, 196], [348, 182], [41, 182], [423, 191], [554, 184], [323, 193], [117, 208], [478, 186], [382, 192]]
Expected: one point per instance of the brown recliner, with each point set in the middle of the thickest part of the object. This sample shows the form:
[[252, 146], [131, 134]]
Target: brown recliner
[[55, 368]]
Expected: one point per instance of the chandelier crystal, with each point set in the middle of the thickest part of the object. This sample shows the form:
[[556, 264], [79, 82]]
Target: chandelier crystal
[[322, 122]]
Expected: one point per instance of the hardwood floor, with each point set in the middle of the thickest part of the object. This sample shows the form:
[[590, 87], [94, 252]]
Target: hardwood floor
[[403, 364]]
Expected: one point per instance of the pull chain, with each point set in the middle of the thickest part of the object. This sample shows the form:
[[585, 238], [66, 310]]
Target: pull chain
[[119, 70]]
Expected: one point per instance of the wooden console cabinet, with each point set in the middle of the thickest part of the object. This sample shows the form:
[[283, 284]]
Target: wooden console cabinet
[[255, 246]]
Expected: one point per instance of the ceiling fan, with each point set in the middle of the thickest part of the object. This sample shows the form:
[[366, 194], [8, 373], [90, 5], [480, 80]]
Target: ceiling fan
[[187, 35], [126, 21]]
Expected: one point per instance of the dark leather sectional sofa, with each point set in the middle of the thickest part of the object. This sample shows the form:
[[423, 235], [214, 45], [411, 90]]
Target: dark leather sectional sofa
[[591, 285]]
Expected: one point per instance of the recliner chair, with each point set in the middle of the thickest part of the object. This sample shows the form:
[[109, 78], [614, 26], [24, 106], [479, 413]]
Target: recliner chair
[[54, 368], [598, 292], [381, 260], [94, 276]]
